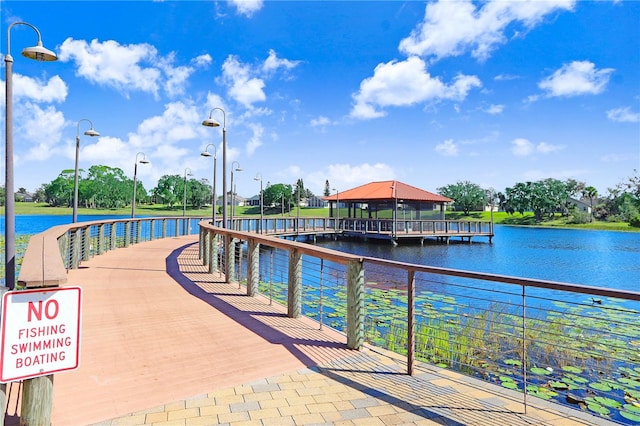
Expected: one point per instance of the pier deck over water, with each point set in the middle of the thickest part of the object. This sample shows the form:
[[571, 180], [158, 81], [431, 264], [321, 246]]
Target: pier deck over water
[[165, 342]]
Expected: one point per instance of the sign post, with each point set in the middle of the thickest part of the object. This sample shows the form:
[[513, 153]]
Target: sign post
[[40, 332]]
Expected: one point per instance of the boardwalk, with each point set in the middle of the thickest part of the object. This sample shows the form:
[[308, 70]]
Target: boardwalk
[[166, 343]]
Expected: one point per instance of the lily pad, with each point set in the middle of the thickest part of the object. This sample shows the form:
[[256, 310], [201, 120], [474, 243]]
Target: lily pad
[[630, 416], [599, 409], [600, 386], [515, 362], [572, 369], [540, 371]]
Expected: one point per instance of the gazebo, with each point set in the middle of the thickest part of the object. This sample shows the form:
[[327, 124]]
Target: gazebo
[[380, 198]]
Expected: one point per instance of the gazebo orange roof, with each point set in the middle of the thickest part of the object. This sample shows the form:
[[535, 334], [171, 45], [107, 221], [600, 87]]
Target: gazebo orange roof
[[387, 190]]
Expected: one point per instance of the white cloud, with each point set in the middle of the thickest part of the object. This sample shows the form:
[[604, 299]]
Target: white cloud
[[447, 148], [53, 90], [521, 147], [273, 63], [451, 28], [202, 60], [243, 88], [347, 176], [494, 109], [320, 121], [247, 7], [576, 78], [256, 138], [41, 128], [128, 68], [405, 83], [623, 115]]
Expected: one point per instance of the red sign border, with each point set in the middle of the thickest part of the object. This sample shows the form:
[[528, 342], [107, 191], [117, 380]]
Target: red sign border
[[5, 298]]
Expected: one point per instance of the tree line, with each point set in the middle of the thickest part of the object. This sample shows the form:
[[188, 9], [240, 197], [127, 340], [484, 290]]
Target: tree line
[[548, 197], [104, 187]]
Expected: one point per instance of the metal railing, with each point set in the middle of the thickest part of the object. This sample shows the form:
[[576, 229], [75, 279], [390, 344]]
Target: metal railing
[[576, 345]]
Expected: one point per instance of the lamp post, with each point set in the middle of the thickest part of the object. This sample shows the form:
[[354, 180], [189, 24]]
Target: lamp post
[[38, 53], [135, 181], [89, 132], [209, 122], [259, 177], [233, 190], [184, 196], [206, 153]]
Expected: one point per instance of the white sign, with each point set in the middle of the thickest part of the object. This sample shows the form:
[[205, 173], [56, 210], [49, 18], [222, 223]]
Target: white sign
[[40, 332]]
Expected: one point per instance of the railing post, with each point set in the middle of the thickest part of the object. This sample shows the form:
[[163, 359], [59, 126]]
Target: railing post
[[355, 304], [74, 249], [139, 231], [164, 228], [127, 233], [101, 238], [253, 267], [294, 296], [213, 252], [86, 243], [231, 260], [112, 243], [204, 246], [411, 320]]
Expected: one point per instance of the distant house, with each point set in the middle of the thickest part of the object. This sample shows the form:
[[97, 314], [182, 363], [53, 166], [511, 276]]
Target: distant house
[[25, 197], [253, 201], [316, 202], [581, 205]]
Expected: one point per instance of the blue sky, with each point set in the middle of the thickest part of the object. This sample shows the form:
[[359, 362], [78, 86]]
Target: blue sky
[[347, 91]]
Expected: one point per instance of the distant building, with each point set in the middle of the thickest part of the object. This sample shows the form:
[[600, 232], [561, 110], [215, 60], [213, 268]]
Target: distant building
[[367, 200]]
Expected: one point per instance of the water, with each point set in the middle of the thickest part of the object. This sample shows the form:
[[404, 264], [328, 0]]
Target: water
[[595, 258]]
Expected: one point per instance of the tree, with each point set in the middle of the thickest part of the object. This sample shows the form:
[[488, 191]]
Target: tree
[[198, 193], [543, 197], [105, 187], [590, 192], [169, 189], [467, 196], [59, 192], [327, 188], [278, 195]]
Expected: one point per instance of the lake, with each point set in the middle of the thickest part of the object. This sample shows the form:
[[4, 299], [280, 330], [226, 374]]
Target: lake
[[597, 258]]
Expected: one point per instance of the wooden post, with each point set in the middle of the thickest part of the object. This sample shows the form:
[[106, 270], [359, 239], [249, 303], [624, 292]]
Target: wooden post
[[127, 233], [203, 246], [355, 304], [101, 238], [411, 318], [294, 296], [253, 267], [139, 231], [213, 252], [114, 235], [231, 260], [86, 243], [37, 401]]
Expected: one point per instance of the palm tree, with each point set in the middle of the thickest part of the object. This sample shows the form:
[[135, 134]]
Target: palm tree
[[590, 192]]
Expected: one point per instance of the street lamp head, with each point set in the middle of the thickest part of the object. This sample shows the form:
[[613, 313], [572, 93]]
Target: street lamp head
[[39, 53], [206, 154], [91, 132], [210, 122], [144, 161]]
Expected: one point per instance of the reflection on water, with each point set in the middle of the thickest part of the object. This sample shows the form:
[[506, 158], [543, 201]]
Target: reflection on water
[[596, 258]]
